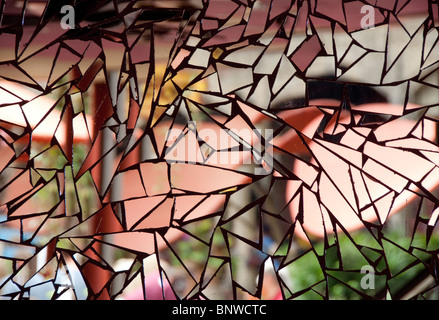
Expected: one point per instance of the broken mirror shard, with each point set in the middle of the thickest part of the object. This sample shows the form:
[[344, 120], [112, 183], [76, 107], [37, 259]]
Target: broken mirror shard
[[243, 149]]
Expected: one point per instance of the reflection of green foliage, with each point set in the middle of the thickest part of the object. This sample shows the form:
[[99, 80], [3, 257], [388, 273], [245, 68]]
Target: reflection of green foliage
[[190, 248], [305, 272], [52, 158], [79, 155], [47, 197], [51, 161], [394, 267], [88, 200], [334, 272]]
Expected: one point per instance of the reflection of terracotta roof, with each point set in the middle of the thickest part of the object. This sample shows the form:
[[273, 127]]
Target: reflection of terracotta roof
[[149, 208], [22, 107], [378, 182], [307, 120]]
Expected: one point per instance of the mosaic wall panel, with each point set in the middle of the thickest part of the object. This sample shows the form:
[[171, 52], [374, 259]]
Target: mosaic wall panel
[[222, 149]]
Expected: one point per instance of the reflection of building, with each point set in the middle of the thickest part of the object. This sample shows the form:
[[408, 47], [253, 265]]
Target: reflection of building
[[119, 85]]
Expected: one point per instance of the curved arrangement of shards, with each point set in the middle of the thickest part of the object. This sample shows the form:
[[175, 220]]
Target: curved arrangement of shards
[[213, 149]]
